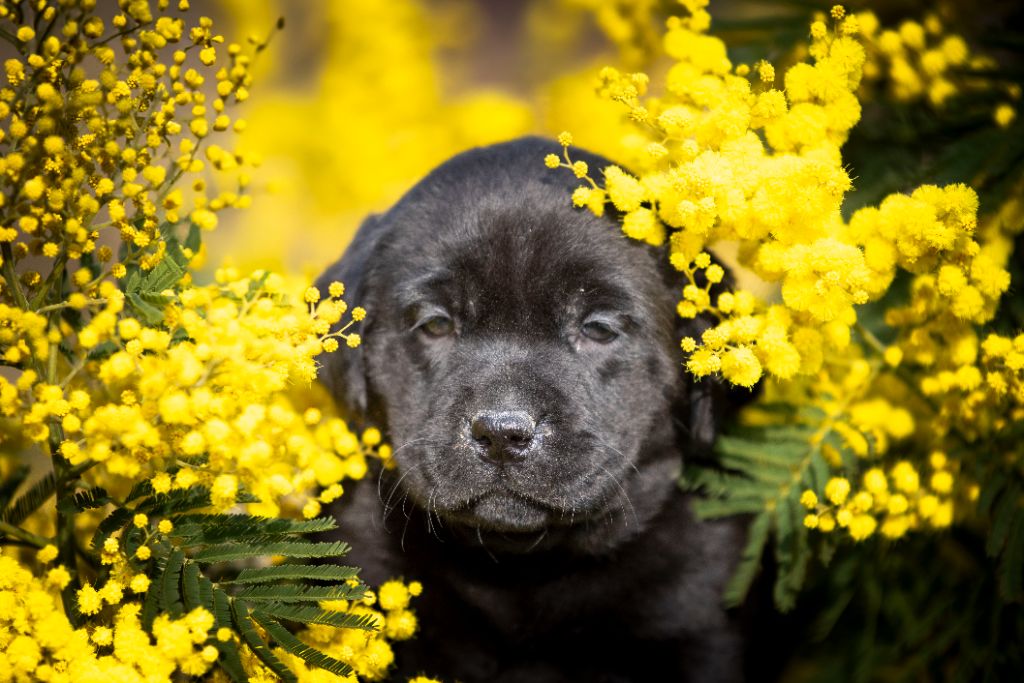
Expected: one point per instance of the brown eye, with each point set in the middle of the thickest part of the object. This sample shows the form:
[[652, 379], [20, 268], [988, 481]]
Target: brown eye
[[437, 326], [599, 331]]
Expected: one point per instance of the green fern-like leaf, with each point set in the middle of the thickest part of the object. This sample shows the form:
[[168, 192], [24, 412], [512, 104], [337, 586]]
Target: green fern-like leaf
[[230, 659], [85, 499], [311, 655], [229, 552], [750, 561], [180, 501], [296, 572], [315, 615], [1006, 534], [766, 469], [291, 593], [31, 500], [170, 588], [11, 483], [190, 587], [192, 567], [207, 529], [247, 630]]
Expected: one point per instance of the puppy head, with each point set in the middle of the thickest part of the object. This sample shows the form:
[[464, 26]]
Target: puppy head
[[522, 354]]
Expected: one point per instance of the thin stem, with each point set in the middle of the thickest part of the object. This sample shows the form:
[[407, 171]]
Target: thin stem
[[66, 476], [873, 341], [12, 277], [76, 368], [909, 381], [10, 38], [61, 306], [123, 32], [55, 274], [13, 531]]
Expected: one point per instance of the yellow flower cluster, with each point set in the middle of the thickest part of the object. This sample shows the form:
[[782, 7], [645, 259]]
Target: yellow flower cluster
[[118, 368], [105, 117], [985, 393], [212, 407], [708, 174], [923, 61], [92, 141], [38, 643], [891, 501], [368, 653], [956, 286]]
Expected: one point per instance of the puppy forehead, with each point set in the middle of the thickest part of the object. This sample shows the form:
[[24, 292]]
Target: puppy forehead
[[522, 257]]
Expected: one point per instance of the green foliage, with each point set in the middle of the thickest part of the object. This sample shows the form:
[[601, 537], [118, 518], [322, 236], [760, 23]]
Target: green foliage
[[144, 290], [1001, 507], [877, 612], [889, 616], [194, 564], [765, 469]]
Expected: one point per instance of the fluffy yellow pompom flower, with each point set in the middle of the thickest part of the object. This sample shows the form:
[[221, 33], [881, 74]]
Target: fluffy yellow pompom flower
[[837, 489], [393, 595], [400, 625], [624, 191], [740, 366], [89, 600], [1004, 115], [47, 554]]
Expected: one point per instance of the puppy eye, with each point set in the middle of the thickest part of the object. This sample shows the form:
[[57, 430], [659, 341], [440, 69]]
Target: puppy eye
[[436, 326], [599, 331]]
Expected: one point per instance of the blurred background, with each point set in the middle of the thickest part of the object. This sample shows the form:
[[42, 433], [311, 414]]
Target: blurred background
[[355, 100]]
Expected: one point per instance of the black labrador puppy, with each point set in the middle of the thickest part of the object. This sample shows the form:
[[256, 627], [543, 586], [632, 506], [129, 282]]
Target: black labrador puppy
[[523, 358]]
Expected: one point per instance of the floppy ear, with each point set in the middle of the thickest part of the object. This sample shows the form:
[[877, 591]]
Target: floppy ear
[[343, 372]]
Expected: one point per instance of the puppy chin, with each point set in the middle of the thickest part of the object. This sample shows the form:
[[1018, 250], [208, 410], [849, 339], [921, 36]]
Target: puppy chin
[[504, 512]]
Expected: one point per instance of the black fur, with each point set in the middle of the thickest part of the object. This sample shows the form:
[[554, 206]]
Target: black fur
[[538, 436]]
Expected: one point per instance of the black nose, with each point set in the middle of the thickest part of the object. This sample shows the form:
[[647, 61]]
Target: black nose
[[504, 435]]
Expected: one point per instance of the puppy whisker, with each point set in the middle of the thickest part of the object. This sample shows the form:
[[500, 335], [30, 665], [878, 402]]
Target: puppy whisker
[[616, 451], [431, 513], [543, 534], [408, 518], [624, 496], [480, 538], [394, 489], [380, 475]]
